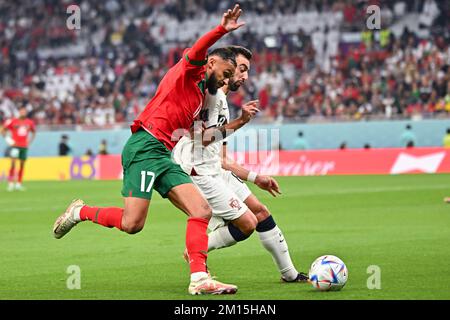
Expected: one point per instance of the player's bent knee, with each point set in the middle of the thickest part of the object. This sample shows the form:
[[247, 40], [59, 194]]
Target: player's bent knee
[[261, 212], [132, 227], [204, 211], [247, 229], [133, 224], [204, 214], [247, 223]]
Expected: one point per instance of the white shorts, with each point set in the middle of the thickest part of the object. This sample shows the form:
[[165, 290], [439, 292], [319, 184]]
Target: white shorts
[[226, 205], [237, 185]]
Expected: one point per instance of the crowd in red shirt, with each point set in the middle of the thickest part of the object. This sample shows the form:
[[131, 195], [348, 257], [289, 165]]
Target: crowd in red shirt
[[118, 74]]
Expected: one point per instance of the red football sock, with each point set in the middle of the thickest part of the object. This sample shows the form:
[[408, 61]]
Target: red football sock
[[197, 243], [19, 179], [11, 174], [108, 217]]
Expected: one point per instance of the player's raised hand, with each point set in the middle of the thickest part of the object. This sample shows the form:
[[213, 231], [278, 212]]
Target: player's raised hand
[[230, 19], [269, 184], [249, 110]]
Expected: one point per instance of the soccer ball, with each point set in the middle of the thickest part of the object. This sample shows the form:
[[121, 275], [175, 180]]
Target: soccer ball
[[328, 273]]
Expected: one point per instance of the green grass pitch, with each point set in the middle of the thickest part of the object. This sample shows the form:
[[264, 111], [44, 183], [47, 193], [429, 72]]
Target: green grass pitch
[[398, 223]]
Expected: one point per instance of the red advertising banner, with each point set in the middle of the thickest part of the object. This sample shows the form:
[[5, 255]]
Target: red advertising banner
[[348, 161], [323, 162], [109, 167]]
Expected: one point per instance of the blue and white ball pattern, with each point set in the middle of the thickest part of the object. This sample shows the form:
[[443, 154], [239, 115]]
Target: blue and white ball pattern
[[328, 273]]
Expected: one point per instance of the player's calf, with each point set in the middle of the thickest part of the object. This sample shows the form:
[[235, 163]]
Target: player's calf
[[130, 220], [236, 231], [273, 241]]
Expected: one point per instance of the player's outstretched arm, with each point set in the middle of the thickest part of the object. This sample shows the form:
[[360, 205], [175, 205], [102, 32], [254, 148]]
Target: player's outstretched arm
[[249, 110], [263, 182], [229, 23], [230, 19]]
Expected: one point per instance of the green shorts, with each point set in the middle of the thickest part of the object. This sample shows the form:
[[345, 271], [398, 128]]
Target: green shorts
[[147, 165], [19, 153]]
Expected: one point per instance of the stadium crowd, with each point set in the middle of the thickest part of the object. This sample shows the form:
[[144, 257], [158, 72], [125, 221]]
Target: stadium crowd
[[105, 72]]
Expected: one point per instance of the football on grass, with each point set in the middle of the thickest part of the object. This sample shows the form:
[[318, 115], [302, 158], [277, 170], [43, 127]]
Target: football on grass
[[328, 273]]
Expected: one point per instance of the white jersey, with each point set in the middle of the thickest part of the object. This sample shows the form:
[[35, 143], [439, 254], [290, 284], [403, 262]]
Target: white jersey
[[204, 160]]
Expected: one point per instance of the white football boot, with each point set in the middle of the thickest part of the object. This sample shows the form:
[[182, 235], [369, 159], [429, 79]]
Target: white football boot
[[19, 187], [10, 187], [207, 285], [67, 221]]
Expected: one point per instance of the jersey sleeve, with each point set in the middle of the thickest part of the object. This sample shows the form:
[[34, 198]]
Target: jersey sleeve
[[195, 57], [7, 124]]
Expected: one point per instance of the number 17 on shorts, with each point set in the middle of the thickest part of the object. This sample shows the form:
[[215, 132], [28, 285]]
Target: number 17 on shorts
[[147, 180], [138, 183]]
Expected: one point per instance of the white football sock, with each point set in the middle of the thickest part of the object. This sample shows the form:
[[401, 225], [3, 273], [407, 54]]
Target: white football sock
[[274, 242], [76, 214], [220, 238], [197, 276]]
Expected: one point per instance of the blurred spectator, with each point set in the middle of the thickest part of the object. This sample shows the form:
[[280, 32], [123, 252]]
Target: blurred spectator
[[300, 142], [303, 69], [89, 153], [408, 138], [63, 147], [7, 151], [446, 140], [343, 146], [103, 149]]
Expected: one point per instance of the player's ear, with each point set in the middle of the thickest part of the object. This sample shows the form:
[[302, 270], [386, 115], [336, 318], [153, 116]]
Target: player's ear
[[211, 61]]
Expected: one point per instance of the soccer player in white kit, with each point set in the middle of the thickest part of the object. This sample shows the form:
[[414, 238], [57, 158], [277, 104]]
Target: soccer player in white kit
[[236, 211]]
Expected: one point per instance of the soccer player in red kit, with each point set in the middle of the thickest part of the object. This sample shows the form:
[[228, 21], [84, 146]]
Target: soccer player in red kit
[[146, 157], [22, 132]]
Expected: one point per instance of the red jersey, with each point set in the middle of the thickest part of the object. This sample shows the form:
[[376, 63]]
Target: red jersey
[[20, 129], [180, 94]]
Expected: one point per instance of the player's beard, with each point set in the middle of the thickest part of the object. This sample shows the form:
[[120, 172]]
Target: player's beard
[[234, 85], [212, 84]]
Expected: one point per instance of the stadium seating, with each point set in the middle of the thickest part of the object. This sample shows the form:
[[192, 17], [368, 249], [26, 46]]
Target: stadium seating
[[313, 60]]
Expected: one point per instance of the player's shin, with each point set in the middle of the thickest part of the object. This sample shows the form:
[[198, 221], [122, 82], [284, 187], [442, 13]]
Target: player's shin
[[197, 246], [225, 236], [12, 174], [109, 217], [20, 175], [273, 240]]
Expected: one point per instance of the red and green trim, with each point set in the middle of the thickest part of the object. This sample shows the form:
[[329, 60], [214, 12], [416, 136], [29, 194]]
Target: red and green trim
[[197, 63], [202, 84]]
